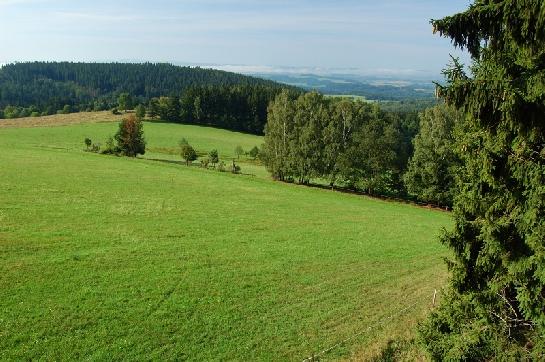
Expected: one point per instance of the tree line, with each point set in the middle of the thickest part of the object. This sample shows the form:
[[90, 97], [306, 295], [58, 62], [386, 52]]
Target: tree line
[[343, 142], [353, 144], [235, 107]]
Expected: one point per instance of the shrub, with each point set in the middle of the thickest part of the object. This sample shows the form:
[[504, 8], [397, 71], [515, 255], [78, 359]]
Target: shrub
[[110, 148], [88, 143], [95, 147], [221, 166], [204, 163], [116, 111]]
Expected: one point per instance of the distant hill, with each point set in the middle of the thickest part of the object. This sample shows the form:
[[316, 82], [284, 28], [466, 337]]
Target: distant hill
[[84, 85], [372, 88]]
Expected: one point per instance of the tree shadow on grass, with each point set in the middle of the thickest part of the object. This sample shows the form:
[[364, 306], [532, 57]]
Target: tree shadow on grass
[[398, 350], [182, 163]]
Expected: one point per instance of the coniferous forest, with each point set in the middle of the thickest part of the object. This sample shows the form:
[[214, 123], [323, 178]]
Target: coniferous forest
[[211, 97]]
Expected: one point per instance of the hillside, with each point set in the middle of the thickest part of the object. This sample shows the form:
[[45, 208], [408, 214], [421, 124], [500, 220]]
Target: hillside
[[56, 84], [113, 258]]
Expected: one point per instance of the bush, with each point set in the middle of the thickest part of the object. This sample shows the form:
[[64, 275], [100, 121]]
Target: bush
[[110, 148], [221, 166], [95, 147], [204, 163], [88, 143], [116, 111]]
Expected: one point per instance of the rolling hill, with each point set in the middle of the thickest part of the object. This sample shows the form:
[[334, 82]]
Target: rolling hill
[[107, 257]]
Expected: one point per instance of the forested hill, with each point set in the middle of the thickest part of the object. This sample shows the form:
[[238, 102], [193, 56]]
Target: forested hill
[[56, 84]]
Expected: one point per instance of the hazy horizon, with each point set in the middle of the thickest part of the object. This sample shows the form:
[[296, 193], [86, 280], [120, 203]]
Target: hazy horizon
[[390, 38]]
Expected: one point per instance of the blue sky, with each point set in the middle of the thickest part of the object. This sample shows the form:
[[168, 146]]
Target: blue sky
[[387, 35]]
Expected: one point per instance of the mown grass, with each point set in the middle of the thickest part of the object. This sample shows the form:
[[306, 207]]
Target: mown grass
[[113, 258]]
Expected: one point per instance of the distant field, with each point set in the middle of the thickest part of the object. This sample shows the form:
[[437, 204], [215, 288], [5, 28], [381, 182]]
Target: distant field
[[111, 258], [350, 96], [60, 119]]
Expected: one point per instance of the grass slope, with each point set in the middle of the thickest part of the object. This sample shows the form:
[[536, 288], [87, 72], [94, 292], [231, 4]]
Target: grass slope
[[113, 258]]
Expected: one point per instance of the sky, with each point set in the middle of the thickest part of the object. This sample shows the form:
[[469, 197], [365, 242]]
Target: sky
[[366, 36]]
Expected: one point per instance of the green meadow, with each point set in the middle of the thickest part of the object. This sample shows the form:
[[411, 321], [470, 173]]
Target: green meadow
[[109, 258]]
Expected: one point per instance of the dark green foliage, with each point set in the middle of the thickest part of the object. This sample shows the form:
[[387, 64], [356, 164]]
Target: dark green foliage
[[88, 143], [188, 153], [227, 100], [125, 101], [213, 157], [432, 169], [495, 307], [153, 108], [115, 111], [254, 152], [237, 107], [347, 142], [130, 137]]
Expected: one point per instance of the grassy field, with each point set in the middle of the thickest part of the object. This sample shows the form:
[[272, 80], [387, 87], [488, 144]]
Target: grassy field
[[107, 258]]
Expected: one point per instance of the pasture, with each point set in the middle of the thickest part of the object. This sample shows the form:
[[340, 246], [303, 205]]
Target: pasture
[[105, 257]]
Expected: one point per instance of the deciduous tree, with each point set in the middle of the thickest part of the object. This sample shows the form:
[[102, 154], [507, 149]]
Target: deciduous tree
[[130, 137]]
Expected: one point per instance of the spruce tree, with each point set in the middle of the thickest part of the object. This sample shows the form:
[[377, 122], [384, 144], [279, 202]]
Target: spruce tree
[[494, 307]]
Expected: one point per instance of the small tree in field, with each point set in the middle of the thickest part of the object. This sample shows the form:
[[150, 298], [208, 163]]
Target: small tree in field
[[239, 151], [188, 153], [130, 137], [88, 143], [213, 157], [254, 152]]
